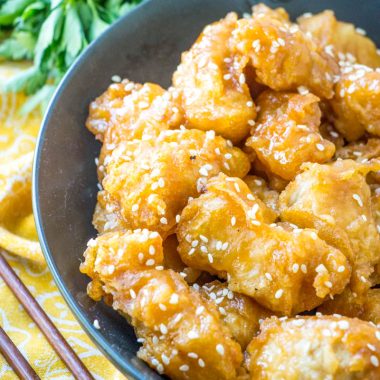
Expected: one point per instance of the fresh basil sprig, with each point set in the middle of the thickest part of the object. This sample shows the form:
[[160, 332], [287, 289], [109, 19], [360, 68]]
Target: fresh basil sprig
[[52, 33]]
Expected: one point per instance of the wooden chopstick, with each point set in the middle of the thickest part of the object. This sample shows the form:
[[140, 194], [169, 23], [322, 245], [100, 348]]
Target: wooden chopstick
[[15, 359], [55, 338]]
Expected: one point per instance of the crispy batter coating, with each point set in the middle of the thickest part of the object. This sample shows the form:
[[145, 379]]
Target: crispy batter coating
[[286, 134], [315, 348], [182, 334], [349, 304], [356, 104], [259, 188], [336, 200], [151, 180], [283, 56], [241, 314], [127, 111], [225, 231], [212, 85], [340, 37]]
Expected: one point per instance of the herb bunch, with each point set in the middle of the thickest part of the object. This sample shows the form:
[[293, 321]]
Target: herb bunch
[[52, 33]]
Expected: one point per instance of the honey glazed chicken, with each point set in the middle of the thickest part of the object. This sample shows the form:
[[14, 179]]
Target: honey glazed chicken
[[238, 214]]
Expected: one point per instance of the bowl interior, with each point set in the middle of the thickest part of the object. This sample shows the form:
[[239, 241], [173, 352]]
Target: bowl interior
[[143, 46]]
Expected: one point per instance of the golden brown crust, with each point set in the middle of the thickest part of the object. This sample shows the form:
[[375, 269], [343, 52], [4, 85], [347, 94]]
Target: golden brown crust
[[315, 348], [212, 86], [339, 38], [336, 200], [283, 57], [226, 232], [181, 333], [286, 133]]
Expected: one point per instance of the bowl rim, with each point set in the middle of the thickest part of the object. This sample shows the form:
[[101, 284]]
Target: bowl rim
[[96, 337]]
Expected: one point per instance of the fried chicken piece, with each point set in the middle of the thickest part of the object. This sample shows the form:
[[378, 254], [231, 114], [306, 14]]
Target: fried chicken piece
[[241, 314], [151, 180], [286, 133], [356, 104], [349, 304], [340, 37], [311, 348], [336, 200], [259, 188], [360, 151], [284, 57], [211, 83], [226, 232], [127, 111], [182, 334]]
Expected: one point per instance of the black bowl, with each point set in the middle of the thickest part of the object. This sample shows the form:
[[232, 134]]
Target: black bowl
[[143, 46]]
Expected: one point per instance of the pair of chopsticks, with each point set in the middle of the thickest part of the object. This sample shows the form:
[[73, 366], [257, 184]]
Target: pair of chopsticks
[[11, 353]]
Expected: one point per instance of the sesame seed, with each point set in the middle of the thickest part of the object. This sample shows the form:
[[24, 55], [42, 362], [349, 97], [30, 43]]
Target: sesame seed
[[249, 104], [321, 268], [371, 347], [163, 329], [328, 284], [192, 335], [159, 267], [150, 263], [279, 294], [135, 207], [374, 360], [116, 78], [295, 268], [184, 368], [227, 76], [132, 293], [203, 238], [250, 197], [228, 156], [364, 217], [302, 90], [320, 147], [220, 349], [140, 256], [210, 258], [152, 250], [203, 249], [201, 363], [177, 218], [194, 243], [361, 31], [241, 78], [192, 355], [303, 268], [199, 310], [174, 299], [358, 199], [343, 325], [96, 324], [163, 220], [268, 276], [251, 122], [377, 334], [225, 246], [341, 268], [165, 359], [233, 220], [162, 307]]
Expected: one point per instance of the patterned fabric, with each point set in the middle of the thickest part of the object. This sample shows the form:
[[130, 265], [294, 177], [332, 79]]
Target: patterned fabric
[[18, 236]]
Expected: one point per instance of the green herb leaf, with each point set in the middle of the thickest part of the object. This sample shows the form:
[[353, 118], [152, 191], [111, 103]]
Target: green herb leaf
[[18, 47], [11, 9]]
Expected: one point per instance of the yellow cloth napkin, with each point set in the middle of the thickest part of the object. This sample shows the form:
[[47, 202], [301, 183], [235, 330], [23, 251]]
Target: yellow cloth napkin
[[18, 236]]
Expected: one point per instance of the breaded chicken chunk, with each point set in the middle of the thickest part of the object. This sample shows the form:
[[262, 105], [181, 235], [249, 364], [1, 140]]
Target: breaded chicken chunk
[[283, 56], [212, 86], [286, 133], [152, 180], [349, 304], [127, 111], [182, 334], [259, 188], [226, 232], [336, 200], [340, 37], [312, 348], [241, 314], [356, 104]]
